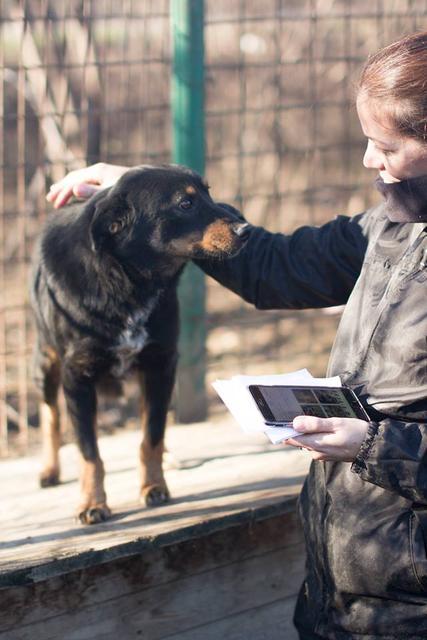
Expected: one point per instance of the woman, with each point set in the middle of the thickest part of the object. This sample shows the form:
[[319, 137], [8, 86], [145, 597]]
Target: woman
[[364, 503]]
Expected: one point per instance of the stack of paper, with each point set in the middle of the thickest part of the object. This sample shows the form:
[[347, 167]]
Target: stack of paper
[[239, 401]]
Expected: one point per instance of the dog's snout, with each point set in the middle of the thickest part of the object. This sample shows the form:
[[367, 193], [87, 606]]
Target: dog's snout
[[241, 229]]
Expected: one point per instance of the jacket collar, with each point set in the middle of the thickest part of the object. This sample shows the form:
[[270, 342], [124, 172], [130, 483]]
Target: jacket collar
[[406, 201]]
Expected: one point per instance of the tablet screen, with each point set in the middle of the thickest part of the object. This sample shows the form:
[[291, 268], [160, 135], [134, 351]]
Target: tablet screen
[[283, 403]]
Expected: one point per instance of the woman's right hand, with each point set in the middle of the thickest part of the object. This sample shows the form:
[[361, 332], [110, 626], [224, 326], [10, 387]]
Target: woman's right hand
[[82, 183]]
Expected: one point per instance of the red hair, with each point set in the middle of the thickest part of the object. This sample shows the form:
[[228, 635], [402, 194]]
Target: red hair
[[396, 78]]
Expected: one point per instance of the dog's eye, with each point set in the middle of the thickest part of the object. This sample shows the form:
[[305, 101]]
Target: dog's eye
[[186, 204]]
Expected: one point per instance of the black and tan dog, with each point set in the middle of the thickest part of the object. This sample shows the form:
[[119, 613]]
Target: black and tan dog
[[104, 296]]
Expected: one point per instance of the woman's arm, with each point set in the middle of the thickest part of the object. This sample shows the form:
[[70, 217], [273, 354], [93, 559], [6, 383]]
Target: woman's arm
[[311, 268], [394, 457]]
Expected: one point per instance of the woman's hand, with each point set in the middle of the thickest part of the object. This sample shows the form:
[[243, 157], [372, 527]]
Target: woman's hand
[[329, 438], [82, 183]]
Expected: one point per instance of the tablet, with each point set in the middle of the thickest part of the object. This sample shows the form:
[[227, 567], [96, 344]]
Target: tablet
[[280, 404]]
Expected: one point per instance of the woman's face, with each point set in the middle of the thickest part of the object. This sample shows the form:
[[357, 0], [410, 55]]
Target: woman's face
[[395, 157]]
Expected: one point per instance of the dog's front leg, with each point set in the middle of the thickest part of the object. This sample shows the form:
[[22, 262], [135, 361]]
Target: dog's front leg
[[156, 381], [80, 397]]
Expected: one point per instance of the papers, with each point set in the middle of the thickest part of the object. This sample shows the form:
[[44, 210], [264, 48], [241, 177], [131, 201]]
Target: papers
[[239, 401]]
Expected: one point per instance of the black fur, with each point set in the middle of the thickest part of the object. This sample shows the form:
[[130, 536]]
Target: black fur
[[105, 301]]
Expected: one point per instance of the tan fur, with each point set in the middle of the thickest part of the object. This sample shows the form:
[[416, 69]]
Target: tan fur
[[217, 237], [50, 428], [93, 506], [49, 424], [152, 477]]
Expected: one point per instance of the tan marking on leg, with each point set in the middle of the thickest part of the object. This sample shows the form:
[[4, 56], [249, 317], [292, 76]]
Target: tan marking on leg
[[151, 462], [154, 489], [93, 506], [49, 424]]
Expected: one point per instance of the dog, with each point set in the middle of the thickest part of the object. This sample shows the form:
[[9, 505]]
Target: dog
[[104, 295]]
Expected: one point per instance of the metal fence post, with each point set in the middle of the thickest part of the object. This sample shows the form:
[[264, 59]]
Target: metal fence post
[[188, 145]]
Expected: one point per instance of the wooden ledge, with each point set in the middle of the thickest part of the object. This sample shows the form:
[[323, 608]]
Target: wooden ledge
[[222, 480]]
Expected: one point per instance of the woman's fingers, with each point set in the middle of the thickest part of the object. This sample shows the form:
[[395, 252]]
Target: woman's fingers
[[83, 183], [61, 192], [59, 196], [294, 442], [329, 438], [312, 424], [85, 190]]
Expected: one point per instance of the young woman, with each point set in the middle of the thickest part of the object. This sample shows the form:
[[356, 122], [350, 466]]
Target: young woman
[[364, 502]]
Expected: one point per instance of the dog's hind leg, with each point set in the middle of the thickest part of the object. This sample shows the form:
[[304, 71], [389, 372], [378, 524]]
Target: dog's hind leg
[[156, 379], [47, 377], [80, 395]]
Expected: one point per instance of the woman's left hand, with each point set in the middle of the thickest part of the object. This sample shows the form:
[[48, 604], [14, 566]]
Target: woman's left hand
[[329, 438]]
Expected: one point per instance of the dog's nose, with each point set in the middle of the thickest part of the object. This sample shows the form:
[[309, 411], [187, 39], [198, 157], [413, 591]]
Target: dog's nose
[[241, 229]]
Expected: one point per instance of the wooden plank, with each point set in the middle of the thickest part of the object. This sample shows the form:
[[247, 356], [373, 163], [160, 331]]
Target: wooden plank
[[154, 565], [267, 622], [223, 478], [229, 542], [178, 605]]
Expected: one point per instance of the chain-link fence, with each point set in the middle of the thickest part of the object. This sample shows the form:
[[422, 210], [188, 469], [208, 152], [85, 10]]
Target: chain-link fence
[[86, 80]]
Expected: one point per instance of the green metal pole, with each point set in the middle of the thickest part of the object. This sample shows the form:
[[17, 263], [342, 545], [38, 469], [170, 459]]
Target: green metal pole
[[189, 148]]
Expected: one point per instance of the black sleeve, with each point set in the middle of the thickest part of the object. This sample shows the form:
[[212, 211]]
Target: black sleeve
[[313, 267], [394, 457]]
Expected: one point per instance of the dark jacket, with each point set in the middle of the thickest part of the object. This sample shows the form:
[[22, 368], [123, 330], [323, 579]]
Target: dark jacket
[[366, 522]]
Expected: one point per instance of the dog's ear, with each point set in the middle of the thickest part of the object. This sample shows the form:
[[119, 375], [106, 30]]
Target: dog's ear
[[112, 215]]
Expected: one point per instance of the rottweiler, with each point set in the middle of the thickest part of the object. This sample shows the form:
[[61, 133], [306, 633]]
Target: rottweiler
[[104, 294]]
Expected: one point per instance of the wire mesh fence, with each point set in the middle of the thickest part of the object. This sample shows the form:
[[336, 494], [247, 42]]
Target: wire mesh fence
[[285, 146], [86, 80]]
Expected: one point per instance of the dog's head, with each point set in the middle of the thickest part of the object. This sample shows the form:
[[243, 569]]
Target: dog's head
[[164, 211]]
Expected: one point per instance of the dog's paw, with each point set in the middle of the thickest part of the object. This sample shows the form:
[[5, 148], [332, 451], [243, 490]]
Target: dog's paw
[[93, 514], [154, 495], [49, 478]]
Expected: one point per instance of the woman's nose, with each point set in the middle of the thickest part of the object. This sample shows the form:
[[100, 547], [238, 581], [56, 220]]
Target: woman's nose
[[372, 159]]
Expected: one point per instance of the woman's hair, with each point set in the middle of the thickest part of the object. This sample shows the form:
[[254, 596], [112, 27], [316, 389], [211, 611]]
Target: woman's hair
[[396, 77]]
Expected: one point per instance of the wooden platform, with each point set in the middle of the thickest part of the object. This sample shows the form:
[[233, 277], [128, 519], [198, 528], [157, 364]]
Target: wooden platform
[[223, 560]]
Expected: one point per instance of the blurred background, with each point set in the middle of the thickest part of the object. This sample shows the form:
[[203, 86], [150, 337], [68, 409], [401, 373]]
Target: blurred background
[[89, 80]]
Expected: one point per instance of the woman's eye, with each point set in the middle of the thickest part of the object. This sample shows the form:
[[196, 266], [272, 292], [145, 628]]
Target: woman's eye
[[385, 152], [185, 204]]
